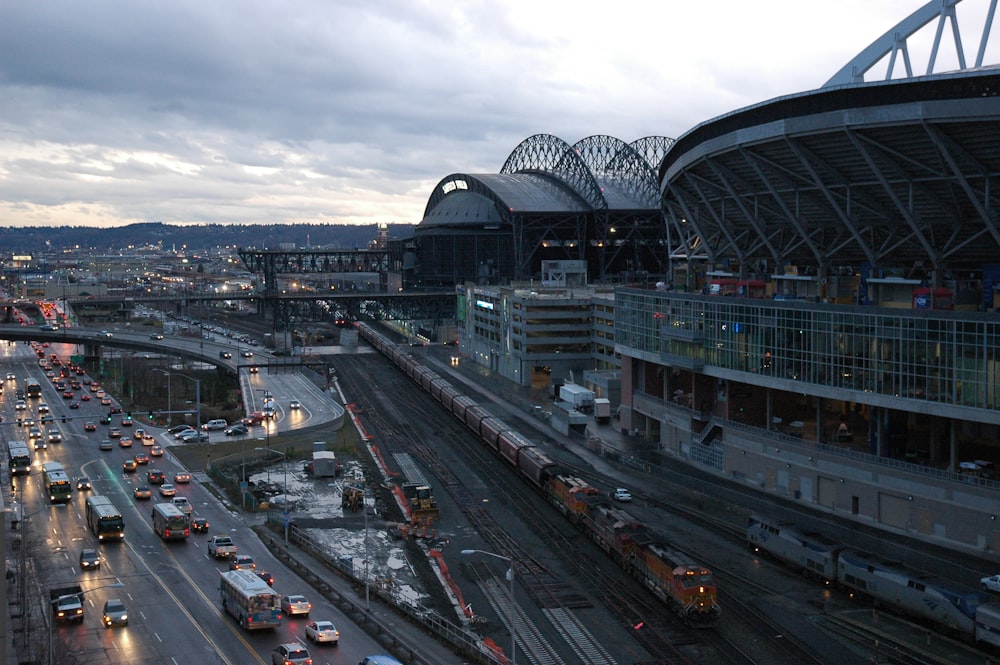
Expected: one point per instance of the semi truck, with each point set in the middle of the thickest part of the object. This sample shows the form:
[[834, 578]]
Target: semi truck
[[581, 398], [67, 604]]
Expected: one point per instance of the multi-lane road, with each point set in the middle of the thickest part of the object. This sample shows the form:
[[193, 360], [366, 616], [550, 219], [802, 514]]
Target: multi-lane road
[[170, 589]]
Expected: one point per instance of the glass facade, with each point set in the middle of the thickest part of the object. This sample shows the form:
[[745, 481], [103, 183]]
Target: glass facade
[[949, 358]]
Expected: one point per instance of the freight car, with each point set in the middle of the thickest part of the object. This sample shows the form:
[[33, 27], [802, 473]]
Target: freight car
[[685, 586], [889, 583]]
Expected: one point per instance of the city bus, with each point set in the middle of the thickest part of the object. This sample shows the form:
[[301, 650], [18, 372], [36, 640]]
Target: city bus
[[251, 601], [18, 458], [32, 388], [57, 481], [104, 520], [170, 523]]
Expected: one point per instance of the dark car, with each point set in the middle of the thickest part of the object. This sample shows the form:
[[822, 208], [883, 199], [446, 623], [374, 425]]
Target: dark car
[[238, 429], [155, 477], [142, 493], [266, 576], [90, 558], [83, 483], [199, 525]]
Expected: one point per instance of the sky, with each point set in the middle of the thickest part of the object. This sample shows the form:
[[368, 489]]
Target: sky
[[114, 112]]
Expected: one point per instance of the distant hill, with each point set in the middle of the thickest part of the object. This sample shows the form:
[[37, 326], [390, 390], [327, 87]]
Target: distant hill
[[201, 237]]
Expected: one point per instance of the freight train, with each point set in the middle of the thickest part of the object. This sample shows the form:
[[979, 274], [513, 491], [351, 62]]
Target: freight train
[[684, 585], [889, 583]]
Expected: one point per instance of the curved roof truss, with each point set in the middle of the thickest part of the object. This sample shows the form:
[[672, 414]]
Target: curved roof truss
[[551, 155]]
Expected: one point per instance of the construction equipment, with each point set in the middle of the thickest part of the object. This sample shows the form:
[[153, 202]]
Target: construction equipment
[[352, 497], [423, 505]]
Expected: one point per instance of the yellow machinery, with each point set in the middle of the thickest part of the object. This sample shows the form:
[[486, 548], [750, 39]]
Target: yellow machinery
[[423, 505]]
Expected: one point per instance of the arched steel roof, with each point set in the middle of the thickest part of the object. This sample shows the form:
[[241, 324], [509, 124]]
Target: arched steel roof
[[899, 172], [461, 197]]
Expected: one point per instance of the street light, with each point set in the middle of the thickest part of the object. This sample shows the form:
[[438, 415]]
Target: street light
[[513, 607], [115, 585], [197, 395], [284, 502]]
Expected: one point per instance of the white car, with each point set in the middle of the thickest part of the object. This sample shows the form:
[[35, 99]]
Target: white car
[[622, 494], [322, 631], [294, 405], [295, 604], [991, 583]]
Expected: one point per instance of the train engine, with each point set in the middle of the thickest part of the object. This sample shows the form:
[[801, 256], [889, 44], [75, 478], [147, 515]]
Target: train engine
[[680, 582]]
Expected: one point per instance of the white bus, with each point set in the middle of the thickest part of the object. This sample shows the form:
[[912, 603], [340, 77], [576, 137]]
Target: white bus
[[104, 520], [170, 523], [18, 458], [249, 599]]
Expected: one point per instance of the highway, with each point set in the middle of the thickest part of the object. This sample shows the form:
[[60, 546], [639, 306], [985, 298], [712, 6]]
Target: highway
[[170, 589]]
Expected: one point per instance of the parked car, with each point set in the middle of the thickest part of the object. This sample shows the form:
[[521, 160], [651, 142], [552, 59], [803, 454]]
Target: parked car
[[192, 435], [991, 583]]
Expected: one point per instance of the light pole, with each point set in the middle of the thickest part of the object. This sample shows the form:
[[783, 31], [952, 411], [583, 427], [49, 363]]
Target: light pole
[[284, 502], [513, 607], [115, 585], [169, 408]]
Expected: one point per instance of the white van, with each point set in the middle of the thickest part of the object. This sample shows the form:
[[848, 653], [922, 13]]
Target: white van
[[218, 423]]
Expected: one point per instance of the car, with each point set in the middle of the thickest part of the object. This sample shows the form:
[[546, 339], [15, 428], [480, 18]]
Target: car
[[142, 493], [127, 421], [20, 405], [28, 422], [85, 397], [141, 458], [290, 654], [991, 583], [115, 410], [155, 477], [105, 419], [106, 445], [114, 433], [215, 424], [295, 604], [74, 405], [380, 660], [623, 495], [43, 407], [138, 434], [255, 418], [48, 327], [294, 405], [269, 412], [115, 613], [239, 429], [11, 376], [46, 418], [105, 401], [322, 632], [225, 355], [156, 451], [242, 562], [94, 386], [83, 483], [129, 465], [55, 436], [166, 489], [199, 525], [254, 370], [34, 433], [246, 354], [107, 333], [90, 426], [148, 439], [182, 477], [193, 436], [68, 394], [155, 337], [177, 430], [125, 442], [266, 576], [89, 558]]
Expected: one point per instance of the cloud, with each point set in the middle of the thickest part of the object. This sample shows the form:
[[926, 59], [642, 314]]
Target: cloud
[[349, 111]]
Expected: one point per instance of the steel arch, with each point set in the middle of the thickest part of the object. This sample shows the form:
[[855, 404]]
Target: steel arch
[[894, 43], [551, 155]]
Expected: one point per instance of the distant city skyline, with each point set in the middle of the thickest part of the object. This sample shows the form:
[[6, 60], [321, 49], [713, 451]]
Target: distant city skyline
[[260, 112]]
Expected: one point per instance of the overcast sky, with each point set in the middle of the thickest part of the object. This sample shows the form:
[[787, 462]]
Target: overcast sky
[[333, 111]]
